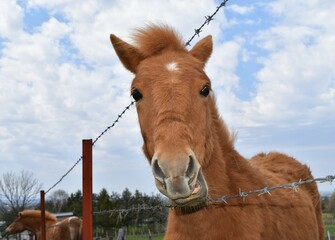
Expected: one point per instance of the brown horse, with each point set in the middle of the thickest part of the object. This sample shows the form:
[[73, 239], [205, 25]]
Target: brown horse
[[192, 153], [68, 229]]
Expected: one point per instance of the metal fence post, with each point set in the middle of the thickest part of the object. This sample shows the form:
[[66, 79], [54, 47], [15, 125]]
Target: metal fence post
[[87, 190], [43, 232]]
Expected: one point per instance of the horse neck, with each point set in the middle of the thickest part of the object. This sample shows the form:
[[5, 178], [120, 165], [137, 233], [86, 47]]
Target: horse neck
[[35, 224], [32, 225], [225, 165]]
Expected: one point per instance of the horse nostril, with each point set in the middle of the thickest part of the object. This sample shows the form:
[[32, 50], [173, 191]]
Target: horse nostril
[[158, 172], [191, 168]]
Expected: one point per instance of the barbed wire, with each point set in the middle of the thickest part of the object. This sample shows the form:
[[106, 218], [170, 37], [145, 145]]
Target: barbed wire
[[197, 31], [267, 190], [62, 177], [93, 143], [113, 124], [208, 18], [125, 211], [223, 199]]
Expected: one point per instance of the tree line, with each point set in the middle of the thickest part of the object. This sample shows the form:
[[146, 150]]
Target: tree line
[[328, 203], [113, 211]]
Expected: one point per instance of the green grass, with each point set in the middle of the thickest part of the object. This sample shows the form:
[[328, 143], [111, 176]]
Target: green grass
[[328, 216], [155, 237], [329, 221], [331, 228]]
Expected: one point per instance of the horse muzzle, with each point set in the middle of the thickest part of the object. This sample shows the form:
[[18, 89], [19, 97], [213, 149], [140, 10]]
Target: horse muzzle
[[180, 179]]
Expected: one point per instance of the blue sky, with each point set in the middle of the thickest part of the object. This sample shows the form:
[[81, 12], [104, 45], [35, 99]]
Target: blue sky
[[61, 82]]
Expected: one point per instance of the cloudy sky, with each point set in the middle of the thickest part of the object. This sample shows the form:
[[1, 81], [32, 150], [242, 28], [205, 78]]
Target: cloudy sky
[[272, 71]]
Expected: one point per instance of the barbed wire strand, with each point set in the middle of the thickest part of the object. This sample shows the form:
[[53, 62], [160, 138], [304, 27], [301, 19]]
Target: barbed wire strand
[[62, 177], [208, 18], [93, 143], [223, 199], [294, 186], [115, 122], [142, 207], [197, 31]]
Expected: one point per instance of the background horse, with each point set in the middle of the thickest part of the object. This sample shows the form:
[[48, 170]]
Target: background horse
[[67, 229], [192, 154]]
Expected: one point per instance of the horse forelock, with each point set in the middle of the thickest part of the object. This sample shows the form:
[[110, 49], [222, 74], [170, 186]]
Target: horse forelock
[[154, 39]]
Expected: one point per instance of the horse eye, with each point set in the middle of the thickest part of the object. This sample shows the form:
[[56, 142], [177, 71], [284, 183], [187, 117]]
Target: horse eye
[[205, 91], [137, 95]]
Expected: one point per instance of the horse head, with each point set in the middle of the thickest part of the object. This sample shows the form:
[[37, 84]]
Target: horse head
[[173, 100], [15, 227]]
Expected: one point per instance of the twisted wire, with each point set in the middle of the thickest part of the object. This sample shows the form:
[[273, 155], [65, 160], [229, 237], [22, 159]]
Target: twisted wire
[[267, 190], [208, 18]]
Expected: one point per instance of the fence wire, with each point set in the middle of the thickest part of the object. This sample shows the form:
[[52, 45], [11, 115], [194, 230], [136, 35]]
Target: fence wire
[[122, 212], [267, 190], [197, 31], [93, 143], [125, 211], [208, 18]]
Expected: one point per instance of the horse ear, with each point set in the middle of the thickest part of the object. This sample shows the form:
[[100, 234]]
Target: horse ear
[[203, 49], [128, 54]]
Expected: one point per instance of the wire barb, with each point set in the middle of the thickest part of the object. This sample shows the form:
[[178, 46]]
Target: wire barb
[[208, 19], [264, 191]]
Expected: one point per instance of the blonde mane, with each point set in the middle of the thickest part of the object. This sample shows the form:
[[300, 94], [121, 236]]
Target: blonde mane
[[37, 214]]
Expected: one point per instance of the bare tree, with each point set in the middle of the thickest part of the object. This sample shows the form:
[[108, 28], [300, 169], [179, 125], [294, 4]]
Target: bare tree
[[57, 200], [18, 192]]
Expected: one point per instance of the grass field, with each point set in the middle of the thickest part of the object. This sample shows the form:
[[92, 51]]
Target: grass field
[[155, 237], [329, 220]]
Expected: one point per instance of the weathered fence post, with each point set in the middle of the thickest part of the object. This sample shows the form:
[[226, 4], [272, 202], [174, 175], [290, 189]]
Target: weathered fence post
[[87, 190], [43, 233]]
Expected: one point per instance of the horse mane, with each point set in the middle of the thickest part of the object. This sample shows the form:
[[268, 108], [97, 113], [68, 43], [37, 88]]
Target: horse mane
[[153, 39], [37, 214]]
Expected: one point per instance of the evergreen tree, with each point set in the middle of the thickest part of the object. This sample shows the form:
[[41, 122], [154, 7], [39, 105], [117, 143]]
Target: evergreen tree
[[331, 204], [74, 203], [103, 202]]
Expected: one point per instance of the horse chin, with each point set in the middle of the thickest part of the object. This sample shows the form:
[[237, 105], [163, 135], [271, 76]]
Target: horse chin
[[198, 196]]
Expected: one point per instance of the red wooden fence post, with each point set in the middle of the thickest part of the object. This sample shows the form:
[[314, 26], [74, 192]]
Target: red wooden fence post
[[43, 233], [87, 190]]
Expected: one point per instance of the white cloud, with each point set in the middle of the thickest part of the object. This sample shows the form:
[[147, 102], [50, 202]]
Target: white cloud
[[93, 21], [241, 9], [298, 72], [11, 19], [305, 12]]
